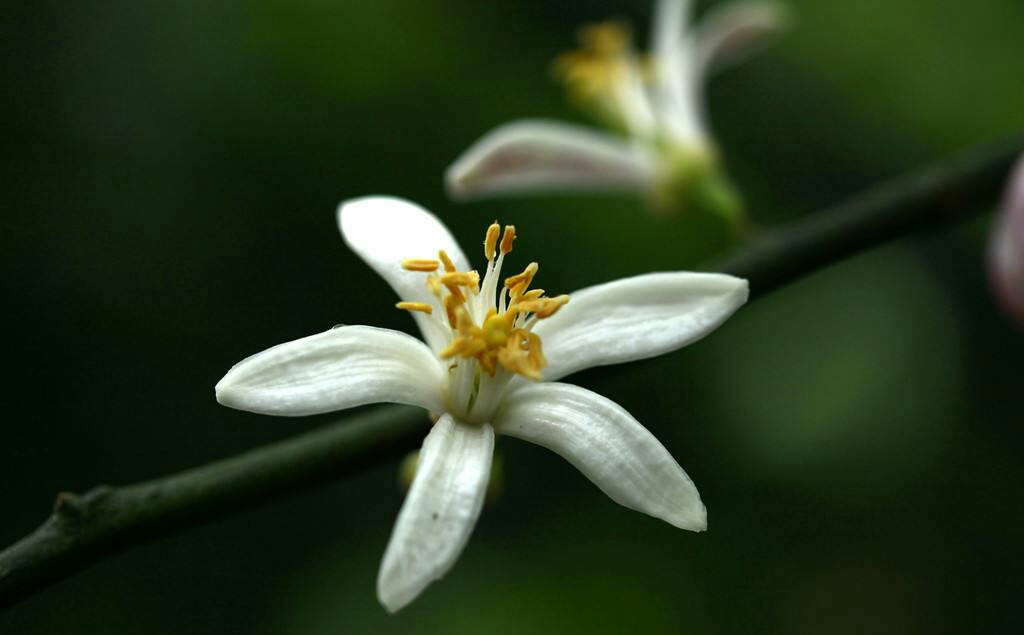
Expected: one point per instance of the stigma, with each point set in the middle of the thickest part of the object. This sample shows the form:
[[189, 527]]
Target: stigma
[[489, 326]]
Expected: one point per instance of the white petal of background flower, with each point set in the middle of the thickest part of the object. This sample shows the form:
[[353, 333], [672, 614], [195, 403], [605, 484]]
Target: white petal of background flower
[[608, 446], [670, 20], [384, 231], [678, 90], [634, 100], [538, 156], [635, 318], [342, 368], [732, 32], [439, 512]]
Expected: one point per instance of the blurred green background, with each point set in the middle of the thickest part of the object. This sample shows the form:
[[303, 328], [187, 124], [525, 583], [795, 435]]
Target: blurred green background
[[172, 171]]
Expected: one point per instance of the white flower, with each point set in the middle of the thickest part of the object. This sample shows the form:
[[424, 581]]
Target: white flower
[[1006, 248], [489, 343], [667, 153]]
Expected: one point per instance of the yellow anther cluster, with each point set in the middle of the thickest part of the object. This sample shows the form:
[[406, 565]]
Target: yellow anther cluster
[[597, 66], [503, 338]]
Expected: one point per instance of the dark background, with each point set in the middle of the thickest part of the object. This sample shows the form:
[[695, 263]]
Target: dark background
[[171, 172]]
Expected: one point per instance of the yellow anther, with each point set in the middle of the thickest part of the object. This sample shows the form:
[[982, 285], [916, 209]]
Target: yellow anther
[[605, 38], [536, 353], [541, 307], [516, 293], [491, 241], [533, 294], [434, 285], [507, 238], [463, 347], [525, 278], [449, 266], [464, 322], [420, 264], [422, 307], [450, 302], [517, 356], [464, 279]]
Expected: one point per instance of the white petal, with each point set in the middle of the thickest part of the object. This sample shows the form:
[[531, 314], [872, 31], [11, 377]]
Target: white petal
[[342, 368], [440, 511], [678, 91], [732, 32], [634, 100], [670, 19], [608, 445], [637, 317], [525, 157], [384, 231]]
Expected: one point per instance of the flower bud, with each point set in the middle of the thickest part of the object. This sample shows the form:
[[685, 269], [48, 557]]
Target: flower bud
[[1006, 248]]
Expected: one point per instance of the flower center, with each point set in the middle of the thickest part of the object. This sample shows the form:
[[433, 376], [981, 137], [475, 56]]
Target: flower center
[[596, 74], [596, 64], [491, 328]]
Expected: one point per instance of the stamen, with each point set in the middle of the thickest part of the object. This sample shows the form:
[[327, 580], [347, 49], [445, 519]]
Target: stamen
[[420, 264], [450, 302], [516, 292], [526, 277], [541, 307], [453, 290], [507, 238], [536, 353], [434, 285], [449, 266], [464, 322], [502, 339], [467, 279], [491, 241], [422, 307]]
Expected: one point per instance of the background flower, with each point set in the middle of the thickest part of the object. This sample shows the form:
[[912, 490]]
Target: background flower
[[655, 100]]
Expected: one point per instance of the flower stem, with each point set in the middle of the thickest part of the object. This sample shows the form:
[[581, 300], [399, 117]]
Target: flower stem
[[105, 520]]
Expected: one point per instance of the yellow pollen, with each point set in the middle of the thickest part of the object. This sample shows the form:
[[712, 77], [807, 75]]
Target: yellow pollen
[[491, 241], [434, 284], [449, 266], [500, 341], [420, 264], [605, 38], [526, 277], [467, 279], [507, 238], [541, 307], [422, 307], [449, 309], [595, 71]]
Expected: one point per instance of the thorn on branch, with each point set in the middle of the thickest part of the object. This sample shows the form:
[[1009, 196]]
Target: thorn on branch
[[68, 504]]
